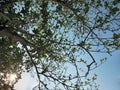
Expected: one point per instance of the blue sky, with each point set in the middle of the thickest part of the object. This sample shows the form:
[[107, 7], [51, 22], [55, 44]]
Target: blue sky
[[108, 75]]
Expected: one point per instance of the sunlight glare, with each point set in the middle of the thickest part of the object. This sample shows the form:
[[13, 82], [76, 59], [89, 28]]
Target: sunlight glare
[[11, 78]]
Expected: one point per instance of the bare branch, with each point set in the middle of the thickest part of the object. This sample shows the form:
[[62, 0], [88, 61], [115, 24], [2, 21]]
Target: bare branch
[[34, 65]]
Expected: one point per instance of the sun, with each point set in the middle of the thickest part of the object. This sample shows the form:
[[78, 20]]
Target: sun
[[11, 78]]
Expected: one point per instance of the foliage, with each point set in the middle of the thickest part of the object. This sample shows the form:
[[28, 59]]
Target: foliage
[[52, 36], [10, 62]]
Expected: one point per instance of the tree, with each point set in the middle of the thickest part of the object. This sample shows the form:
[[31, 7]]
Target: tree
[[47, 36], [10, 61]]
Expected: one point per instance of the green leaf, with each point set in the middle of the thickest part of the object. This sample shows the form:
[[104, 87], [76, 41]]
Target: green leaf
[[89, 46], [116, 36], [114, 10]]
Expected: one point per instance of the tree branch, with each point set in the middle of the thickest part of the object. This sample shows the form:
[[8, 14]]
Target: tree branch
[[34, 66], [15, 37]]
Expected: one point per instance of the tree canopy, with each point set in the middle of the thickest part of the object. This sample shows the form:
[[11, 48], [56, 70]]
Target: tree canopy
[[52, 38]]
